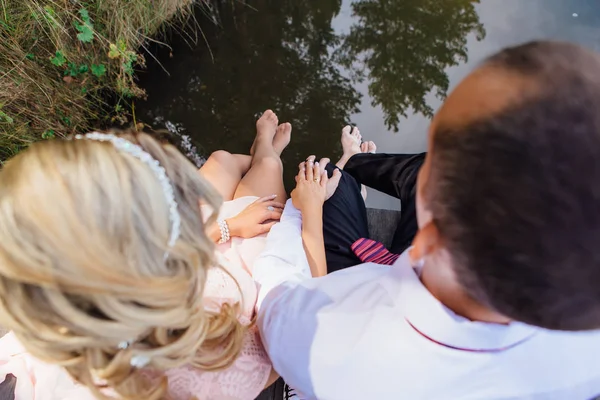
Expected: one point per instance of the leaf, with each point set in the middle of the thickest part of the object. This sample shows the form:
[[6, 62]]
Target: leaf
[[59, 59], [130, 58], [30, 56], [83, 69], [50, 16], [50, 11], [5, 117], [114, 51], [122, 45], [72, 69], [85, 15], [86, 34], [128, 67], [48, 134], [86, 30], [98, 70]]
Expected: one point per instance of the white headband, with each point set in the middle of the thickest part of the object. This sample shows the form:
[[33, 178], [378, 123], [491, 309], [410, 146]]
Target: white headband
[[136, 151]]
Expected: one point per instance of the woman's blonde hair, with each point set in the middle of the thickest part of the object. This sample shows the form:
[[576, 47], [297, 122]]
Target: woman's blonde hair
[[84, 229]]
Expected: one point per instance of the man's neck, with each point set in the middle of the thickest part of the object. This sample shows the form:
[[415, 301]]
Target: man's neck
[[447, 291]]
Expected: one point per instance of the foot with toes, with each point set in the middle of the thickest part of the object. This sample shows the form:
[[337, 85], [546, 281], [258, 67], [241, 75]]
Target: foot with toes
[[282, 137], [352, 144], [268, 131], [351, 140]]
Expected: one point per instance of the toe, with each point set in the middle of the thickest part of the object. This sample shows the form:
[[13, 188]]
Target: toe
[[269, 115], [284, 130], [372, 147], [287, 128], [364, 147], [347, 130], [282, 137], [356, 134]]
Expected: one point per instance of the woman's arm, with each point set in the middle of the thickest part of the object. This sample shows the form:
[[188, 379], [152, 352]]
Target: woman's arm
[[313, 188], [214, 232], [312, 239], [256, 219]]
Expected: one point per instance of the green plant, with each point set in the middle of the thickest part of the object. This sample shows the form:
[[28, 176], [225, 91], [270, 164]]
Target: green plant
[[61, 60], [75, 70], [48, 134], [86, 30], [128, 57], [5, 118], [98, 70]]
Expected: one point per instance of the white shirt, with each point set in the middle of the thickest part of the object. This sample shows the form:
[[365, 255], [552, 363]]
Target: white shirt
[[375, 332]]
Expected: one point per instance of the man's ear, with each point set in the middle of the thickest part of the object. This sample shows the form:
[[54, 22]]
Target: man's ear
[[426, 241]]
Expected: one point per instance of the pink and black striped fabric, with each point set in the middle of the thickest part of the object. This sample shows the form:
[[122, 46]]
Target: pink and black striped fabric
[[368, 250]]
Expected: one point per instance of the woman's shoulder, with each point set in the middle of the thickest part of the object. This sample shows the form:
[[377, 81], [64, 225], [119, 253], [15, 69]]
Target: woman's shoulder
[[230, 283], [243, 380], [35, 379]]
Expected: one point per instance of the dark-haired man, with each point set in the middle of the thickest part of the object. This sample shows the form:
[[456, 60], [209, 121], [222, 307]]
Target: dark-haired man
[[499, 297]]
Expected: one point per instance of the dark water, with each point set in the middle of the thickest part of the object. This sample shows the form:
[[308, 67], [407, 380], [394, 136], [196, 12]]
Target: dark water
[[385, 65]]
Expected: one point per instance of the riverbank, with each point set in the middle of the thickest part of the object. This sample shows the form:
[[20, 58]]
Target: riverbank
[[61, 60]]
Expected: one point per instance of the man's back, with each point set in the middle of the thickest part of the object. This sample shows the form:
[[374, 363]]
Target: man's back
[[374, 332]]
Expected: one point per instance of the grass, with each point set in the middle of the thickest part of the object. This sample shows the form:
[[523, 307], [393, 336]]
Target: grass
[[60, 60]]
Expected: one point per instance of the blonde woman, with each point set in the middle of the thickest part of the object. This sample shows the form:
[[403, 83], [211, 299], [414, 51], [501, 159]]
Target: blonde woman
[[109, 268]]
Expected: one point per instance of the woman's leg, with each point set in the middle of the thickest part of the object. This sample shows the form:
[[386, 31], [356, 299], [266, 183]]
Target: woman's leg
[[225, 171], [265, 176]]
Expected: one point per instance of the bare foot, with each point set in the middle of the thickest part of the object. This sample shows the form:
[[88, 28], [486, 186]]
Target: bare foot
[[371, 148], [282, 137], [368, 147], [351, 139], [266, 127]]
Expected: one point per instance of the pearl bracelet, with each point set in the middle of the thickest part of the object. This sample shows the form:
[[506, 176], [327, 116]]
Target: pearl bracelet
[[224, 228]]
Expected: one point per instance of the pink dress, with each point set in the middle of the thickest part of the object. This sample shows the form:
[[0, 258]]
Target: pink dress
[[244, 380]]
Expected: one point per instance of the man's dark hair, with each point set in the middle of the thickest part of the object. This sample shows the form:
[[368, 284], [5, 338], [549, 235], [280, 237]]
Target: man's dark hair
[[516, 195]]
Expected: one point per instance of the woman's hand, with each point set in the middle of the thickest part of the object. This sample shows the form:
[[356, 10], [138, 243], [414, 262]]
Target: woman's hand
[[256, 219], [313, 187]]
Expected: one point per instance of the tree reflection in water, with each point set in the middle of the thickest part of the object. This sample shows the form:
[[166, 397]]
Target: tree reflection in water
[[285, 55], [267, 54], [404, 48]]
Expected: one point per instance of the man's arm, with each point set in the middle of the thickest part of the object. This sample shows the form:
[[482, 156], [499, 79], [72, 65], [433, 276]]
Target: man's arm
[[283, 259], [280, 268]]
